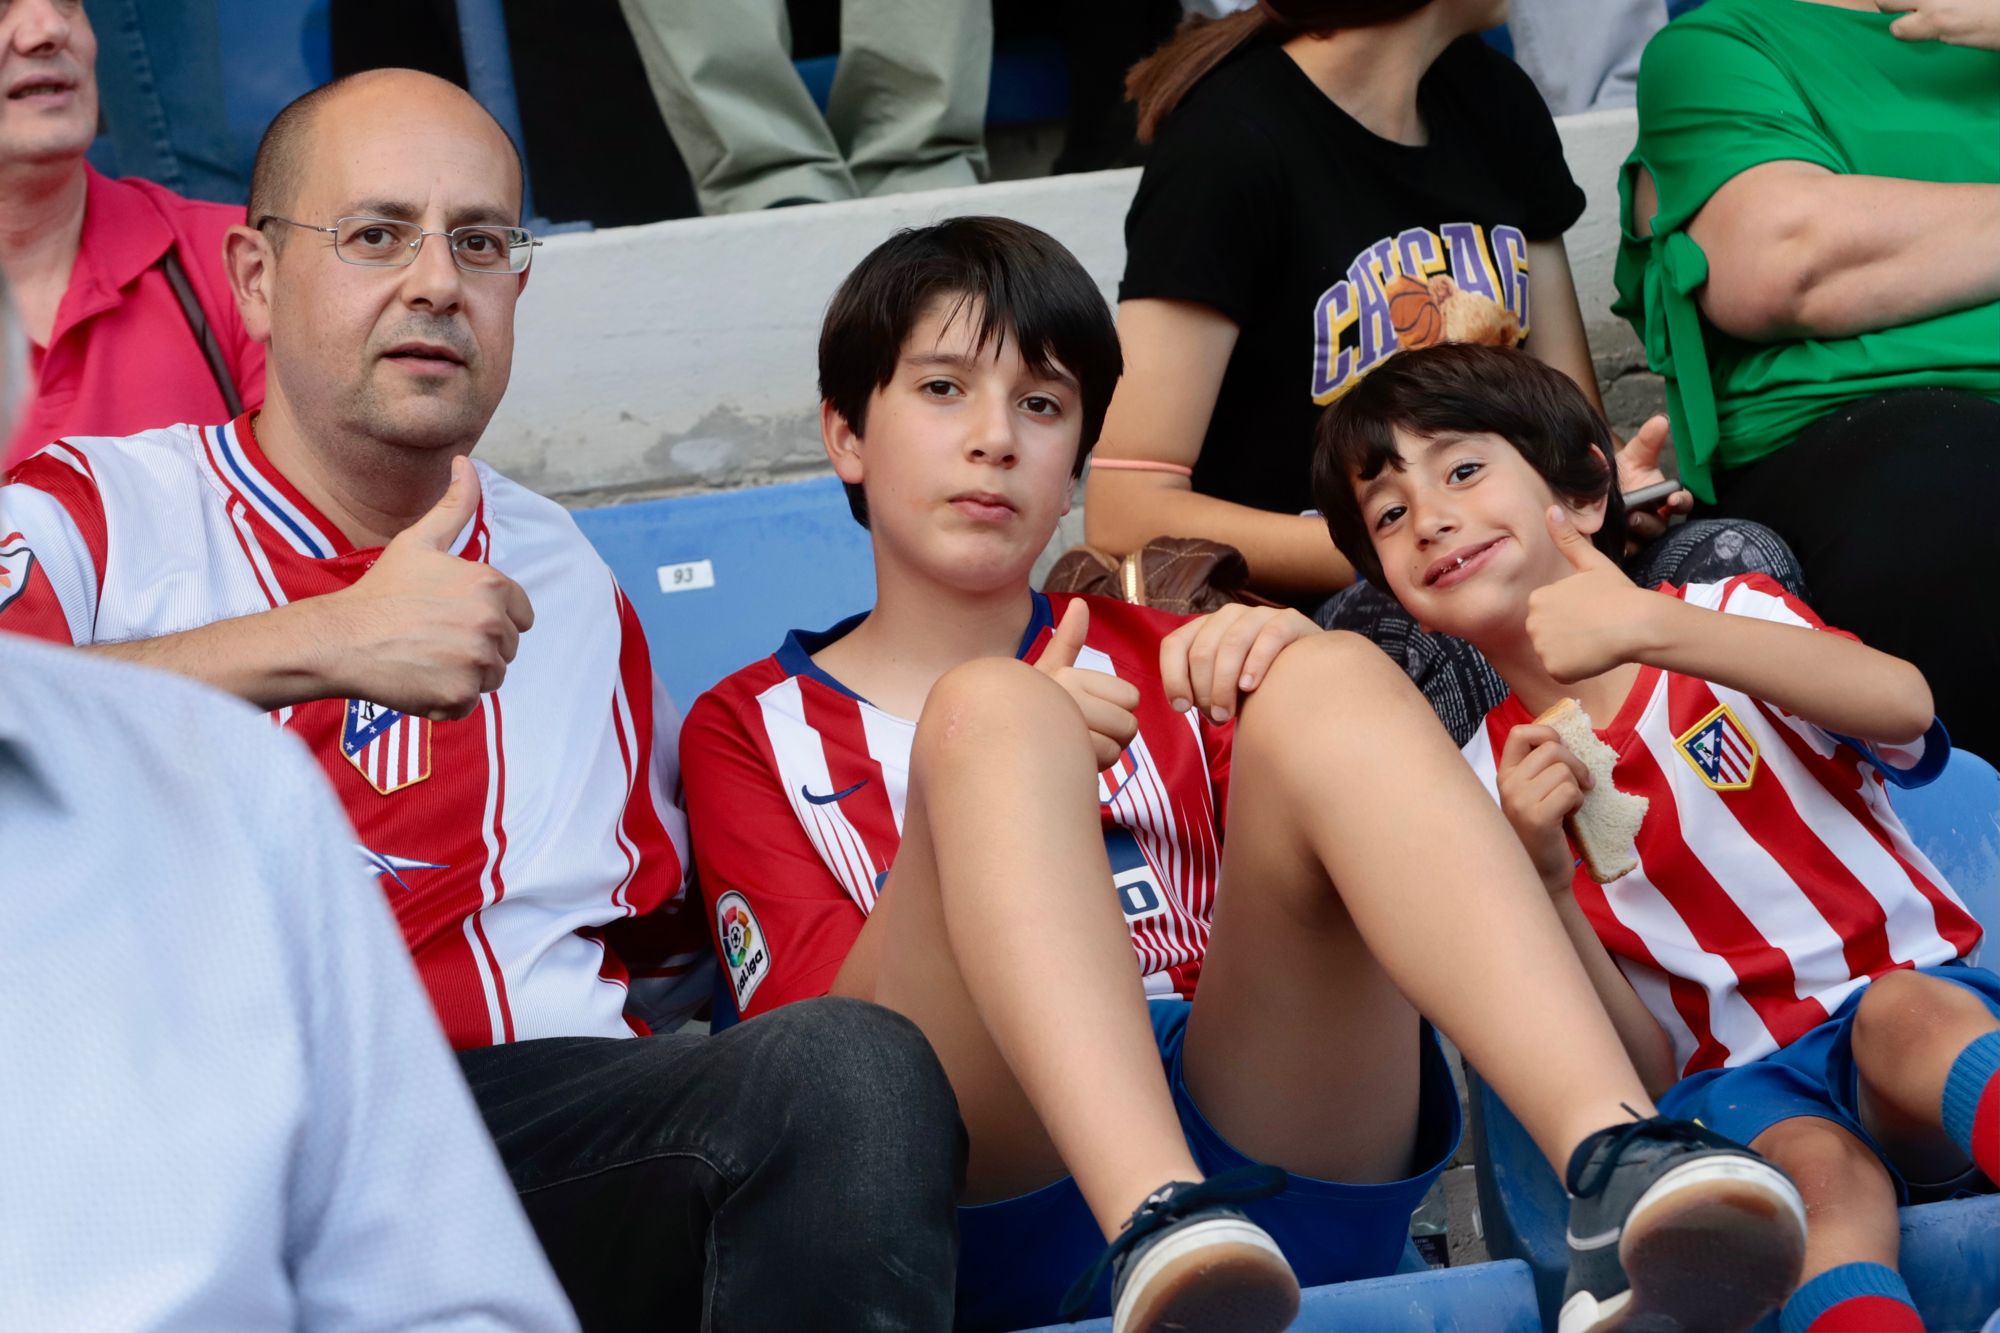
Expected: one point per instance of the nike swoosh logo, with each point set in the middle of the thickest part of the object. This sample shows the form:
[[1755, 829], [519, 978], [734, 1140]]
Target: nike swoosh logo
[[836, 796]]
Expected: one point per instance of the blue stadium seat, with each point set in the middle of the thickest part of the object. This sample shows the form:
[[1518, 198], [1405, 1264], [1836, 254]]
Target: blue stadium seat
[[1490, 1298], [718, 579], [1950, 1256]]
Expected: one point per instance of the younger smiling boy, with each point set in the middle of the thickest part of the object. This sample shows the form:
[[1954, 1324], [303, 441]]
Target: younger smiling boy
[[1783, 956], [944, 804]]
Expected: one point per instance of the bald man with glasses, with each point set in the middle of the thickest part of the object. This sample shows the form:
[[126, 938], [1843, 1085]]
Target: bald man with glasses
[[478, 692]]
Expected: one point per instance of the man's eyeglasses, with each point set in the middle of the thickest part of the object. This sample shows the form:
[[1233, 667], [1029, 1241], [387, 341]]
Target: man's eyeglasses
[[394, 243]]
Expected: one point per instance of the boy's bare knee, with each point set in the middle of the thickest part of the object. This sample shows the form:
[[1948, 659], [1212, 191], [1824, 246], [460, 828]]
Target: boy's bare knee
[[1320, 680], [988, 699], [1320, 667], [1825, 1161], [1904, 1011]]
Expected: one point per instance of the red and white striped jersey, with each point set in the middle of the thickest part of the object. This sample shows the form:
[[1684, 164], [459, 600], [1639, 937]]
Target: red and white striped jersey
[[533, 851], [796, 788], [1774, 879]]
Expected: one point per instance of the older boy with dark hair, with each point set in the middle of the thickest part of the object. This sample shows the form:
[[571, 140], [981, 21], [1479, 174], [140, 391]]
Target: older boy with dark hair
[[1781, 960], [1001, 814]]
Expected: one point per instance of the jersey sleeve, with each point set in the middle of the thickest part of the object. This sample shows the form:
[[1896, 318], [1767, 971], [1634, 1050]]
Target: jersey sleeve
[[1759, 597], [1552, 199], [1198, 227], [664, 945], [1711, 106], [780, 922], [52, 547]]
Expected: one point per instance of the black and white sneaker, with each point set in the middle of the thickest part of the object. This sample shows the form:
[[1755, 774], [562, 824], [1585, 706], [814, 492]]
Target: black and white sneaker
[[1674, 1229], [1187, 1259]]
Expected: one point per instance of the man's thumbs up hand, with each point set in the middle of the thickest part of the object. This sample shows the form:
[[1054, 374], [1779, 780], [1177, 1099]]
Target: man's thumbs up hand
[[425, 631], [1107, 702]]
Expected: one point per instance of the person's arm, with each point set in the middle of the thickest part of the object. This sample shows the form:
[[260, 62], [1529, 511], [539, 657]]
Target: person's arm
[[423, 631], [782, 922], [1644, 1040], [1797, 251], [1596, 619], [1175, 355], [1556, 334], [1954, 22], [1539, 784]]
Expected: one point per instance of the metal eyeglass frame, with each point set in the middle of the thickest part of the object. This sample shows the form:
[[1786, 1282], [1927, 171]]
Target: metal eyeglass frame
[[414, 247]]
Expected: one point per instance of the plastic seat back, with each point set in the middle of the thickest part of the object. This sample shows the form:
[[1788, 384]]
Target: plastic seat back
[[718, 579]]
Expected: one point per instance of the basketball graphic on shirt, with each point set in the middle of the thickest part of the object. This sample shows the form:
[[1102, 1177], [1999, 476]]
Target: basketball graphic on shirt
[[1414, 313]]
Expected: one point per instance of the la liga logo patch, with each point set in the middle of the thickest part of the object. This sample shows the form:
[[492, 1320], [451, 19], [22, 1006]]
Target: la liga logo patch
[[1720, 749], [745, 950]]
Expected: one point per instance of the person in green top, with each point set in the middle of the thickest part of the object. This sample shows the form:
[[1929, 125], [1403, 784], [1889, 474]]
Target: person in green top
[[1811, 256]]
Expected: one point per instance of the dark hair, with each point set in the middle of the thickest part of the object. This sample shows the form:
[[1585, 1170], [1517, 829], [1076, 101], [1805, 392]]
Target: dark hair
[[1160, 81], [1016, 281], [1460, 387], [280, 165]]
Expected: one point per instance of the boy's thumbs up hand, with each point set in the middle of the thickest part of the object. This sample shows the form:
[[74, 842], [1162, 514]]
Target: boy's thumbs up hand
[[1575, 545], [1107, 702], [425, 631], [1067, 642], [1591, 621]]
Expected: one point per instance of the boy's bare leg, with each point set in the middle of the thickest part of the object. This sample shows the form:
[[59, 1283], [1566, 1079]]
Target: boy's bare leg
[[1850, 1201], [1908, 1029], [1363, 863], [998, 933]]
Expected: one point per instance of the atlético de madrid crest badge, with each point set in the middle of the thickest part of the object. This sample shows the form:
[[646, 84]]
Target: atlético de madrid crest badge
[[1721, 750], [390, 749]]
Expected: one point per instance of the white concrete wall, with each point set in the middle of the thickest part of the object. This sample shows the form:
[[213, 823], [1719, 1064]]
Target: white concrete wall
[[682, 355]]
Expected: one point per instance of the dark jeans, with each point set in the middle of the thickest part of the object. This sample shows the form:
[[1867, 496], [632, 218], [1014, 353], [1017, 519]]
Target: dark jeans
[[1889, 503], [1456, 678], [798, 1171]]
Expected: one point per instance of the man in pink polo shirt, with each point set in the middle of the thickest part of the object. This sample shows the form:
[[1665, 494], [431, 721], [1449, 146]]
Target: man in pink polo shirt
[[94, 263]]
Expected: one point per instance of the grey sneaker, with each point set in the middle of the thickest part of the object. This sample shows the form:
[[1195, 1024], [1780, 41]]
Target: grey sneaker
[[1188, 1260], [1675, 1229]]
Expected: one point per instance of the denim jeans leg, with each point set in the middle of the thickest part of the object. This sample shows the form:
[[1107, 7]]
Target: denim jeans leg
[[797, 1171], [159, 78]]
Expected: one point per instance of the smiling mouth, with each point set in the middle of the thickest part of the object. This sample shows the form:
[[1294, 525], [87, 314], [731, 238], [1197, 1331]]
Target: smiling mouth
[[1447, 571], [40, 87]]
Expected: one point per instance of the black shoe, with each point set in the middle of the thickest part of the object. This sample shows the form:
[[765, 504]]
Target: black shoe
[[1187, 1260], [1674, 1229]]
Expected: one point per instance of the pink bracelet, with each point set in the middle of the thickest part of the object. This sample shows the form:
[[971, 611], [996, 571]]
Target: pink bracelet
[[1141, 465]]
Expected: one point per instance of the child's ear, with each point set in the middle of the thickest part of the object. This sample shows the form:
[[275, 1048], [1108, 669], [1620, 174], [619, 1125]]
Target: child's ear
[[843, 446], [1589, 518]]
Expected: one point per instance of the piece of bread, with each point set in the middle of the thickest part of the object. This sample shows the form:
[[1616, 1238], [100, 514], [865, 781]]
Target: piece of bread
[[1606, 824]]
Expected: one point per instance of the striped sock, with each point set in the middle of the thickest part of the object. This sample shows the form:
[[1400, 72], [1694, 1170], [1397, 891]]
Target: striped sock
[[1853, 1298], [1972, 1103]]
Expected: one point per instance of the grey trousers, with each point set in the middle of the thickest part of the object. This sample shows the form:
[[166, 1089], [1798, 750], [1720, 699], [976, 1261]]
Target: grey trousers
[[907, 111]]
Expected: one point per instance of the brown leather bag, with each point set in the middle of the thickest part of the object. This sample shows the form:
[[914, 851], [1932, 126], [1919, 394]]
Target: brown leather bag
[[1189, 576]]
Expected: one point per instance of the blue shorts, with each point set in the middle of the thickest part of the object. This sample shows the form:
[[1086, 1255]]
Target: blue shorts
[[1018, 1257], [1814, 1076]]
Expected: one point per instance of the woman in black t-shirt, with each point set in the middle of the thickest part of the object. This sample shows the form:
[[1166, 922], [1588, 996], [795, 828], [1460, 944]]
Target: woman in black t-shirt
[[1331, 181]]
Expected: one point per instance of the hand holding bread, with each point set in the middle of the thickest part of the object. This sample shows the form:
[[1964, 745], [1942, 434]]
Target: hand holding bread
[[1604, 823]]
